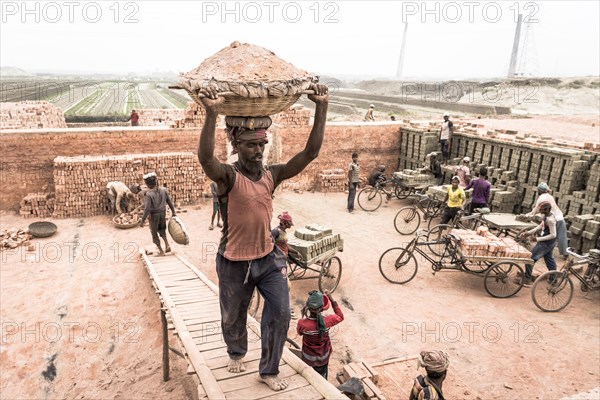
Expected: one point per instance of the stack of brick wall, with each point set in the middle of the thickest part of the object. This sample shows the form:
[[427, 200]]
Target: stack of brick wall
[[80, 182], [525, 165], [27, 161], [31, 115], [193, 117], [584, 232], [375, 144], [161, 117], [295, 115], [331, 180], [37, 205], [417, 141]]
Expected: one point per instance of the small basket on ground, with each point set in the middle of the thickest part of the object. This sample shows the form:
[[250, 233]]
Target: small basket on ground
[[177, 231], [125, 221], [42, 229], [253, 81]]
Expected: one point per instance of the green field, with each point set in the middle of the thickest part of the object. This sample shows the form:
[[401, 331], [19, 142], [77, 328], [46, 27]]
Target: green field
[[95, 98]]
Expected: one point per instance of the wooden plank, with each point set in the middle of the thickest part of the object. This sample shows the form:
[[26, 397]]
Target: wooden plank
[[190, 323], [213, 352], [378, 393], [260, 389], [251, 368], [304, 393], [223, 361], [235, 386], [374, 374], [361, 371]]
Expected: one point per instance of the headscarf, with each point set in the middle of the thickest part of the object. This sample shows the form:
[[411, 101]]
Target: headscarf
[[543, 187], [315, 304], [246, 128], [285, 217], [434, 360]]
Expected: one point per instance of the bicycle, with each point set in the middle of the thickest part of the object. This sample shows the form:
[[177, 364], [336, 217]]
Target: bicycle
[[502, 276], [553, 290], [371, 197], [408, 220]]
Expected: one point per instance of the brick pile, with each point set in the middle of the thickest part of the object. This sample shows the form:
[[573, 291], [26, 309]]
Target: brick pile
[[584, 232], [295, 115], [414, 178], [80, 181], [485, 244], [37, 205], [31, 115], [416, 142], [313, 240], [167, 117], [332, 180]]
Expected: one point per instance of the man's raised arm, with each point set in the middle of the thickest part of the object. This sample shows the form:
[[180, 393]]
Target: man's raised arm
[[314, 142], [206, 147]]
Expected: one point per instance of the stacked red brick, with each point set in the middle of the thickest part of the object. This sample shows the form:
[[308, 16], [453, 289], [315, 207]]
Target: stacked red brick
[[161, 117], [295, 115], [37, 205], [31, 115], [332, 180], [484, 244], [416, 142], [80, 181]]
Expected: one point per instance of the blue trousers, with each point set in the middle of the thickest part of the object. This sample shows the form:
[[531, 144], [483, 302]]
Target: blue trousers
[[351, 194], [542, 249], [561, 237], [269, 274]]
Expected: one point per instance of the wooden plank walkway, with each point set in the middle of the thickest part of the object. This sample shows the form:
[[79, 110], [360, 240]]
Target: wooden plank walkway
[[190, 307]]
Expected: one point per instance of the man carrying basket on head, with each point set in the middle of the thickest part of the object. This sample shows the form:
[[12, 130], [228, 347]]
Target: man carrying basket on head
[[247, 256]]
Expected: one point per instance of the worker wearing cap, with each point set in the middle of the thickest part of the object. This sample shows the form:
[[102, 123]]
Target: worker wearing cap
[[561, 226], [445, 137], [369, 115], [545, 241], [246, 256], [436, 364], [314, 329], [281, 240], [464, 172]]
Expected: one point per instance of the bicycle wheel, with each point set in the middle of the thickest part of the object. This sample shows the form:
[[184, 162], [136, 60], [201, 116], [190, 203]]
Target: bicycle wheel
[[397, 265], [295, 271], [552, 291], [331, 273], [503, 279], [254, 303], [369, 199], [407, 220], [402, 192], [437, 234]]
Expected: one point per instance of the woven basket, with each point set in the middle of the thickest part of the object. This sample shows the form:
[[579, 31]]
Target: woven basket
[[124, 226], [252, 106], [42, 229], [177, 231]]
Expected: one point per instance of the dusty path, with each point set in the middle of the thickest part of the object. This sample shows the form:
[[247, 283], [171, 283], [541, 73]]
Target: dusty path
[[109, 345]]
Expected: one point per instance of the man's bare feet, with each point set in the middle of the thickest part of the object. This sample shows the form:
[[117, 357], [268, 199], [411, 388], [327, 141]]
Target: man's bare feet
[[274, 382], [236, 366]]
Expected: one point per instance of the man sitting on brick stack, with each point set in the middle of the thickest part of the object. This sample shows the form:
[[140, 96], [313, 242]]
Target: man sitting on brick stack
[[247, 257]]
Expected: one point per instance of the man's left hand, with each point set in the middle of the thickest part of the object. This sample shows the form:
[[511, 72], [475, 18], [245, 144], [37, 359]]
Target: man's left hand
[[321, 93]]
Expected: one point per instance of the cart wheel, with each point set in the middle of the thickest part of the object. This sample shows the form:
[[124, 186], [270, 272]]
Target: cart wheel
[[369, 199], [254, 303], [402, 192], [503, 279], [331, 273], [477, 267], [397, 265], [407, 220], [552, 291], [295, 271], [437, 234], [433, 221]]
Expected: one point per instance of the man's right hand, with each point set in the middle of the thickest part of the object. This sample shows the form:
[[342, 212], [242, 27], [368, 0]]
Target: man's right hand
[[211, 101]]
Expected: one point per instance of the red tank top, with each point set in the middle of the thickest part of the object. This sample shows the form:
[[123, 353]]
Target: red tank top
[[247, 217]]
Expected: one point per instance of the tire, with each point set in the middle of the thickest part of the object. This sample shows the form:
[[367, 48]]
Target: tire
[[407, 220], [503, 279], [254, 303], [369, 199], [331, 273], [402, 192], [552, 291], [437, 233], [397, 265]]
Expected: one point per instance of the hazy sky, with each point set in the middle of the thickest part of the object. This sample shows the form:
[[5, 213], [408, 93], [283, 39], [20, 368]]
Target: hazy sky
[[445, 39]]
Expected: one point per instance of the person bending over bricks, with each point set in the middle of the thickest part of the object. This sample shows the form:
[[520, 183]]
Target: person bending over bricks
[[157, 199], [247, 257], [119, 195]]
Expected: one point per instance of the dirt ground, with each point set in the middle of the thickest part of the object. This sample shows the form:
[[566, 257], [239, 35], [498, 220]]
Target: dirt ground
[[80, 319]]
